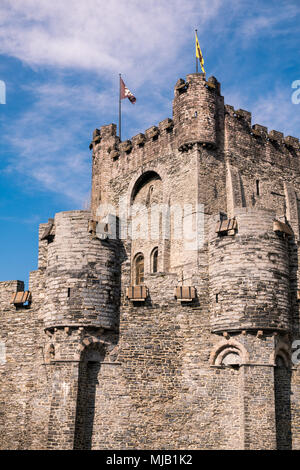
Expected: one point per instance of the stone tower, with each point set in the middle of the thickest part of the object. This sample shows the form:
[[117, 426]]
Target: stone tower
[[167, 316]]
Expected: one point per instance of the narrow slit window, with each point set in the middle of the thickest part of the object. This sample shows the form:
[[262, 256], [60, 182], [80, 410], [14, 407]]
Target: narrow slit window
[[149, 196], [257, 188]]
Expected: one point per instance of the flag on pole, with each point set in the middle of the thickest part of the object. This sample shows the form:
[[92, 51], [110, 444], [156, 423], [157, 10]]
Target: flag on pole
[[125, 92], [199, 53]]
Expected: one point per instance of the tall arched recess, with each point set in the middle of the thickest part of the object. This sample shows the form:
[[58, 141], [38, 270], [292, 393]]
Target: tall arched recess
[[89, 379], [142, 181], [146, 216]]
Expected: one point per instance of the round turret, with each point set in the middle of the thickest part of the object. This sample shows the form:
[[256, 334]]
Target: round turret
[[198, 110], [249, 275], [82, 275]]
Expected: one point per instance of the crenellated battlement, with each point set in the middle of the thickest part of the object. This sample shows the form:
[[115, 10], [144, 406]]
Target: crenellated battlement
[[173, 135], [106, 137], [200, 120], [240, 114], [244, 118], [194, 84], [130, 154]]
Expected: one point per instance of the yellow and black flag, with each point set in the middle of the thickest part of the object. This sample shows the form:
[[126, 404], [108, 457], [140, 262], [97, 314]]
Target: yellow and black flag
[[199, 53]]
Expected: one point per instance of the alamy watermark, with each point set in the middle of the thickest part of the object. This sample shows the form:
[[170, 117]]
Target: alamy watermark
[[296, 353], [2, 353], [183, 222], [2, 92], [296, 93]]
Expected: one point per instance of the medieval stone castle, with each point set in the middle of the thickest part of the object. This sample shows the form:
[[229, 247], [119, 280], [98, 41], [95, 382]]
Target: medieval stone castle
[[128, 342]]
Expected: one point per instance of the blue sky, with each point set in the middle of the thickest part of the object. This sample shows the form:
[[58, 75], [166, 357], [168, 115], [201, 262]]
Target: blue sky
[[60, 62]]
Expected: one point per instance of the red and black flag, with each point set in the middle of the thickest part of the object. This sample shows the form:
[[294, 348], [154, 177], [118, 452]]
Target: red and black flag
[[125, 92]]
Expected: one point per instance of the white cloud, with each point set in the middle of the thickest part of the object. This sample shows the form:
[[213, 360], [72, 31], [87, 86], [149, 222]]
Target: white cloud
[[132, 35], [264, 20], [274, 110], [102, 38], [48, 139], [144, 39], [51, 137]]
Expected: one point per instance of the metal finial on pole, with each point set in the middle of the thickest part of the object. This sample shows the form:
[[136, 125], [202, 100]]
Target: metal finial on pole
[[120, 106]]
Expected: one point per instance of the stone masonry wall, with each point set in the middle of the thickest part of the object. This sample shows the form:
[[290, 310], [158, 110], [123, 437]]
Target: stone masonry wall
[[87, 368], [249, 275], [82, 276], [23, 379]]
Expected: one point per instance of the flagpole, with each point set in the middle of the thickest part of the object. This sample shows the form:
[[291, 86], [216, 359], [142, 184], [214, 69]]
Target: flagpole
[[196, 55], [120, 106]]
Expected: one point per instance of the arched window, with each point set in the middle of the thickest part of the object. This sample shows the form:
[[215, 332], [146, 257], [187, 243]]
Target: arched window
[[154, 260], [139, 269]]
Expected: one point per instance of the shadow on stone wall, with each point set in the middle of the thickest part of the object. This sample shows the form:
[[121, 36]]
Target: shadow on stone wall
[[89, 369], [282, 386]]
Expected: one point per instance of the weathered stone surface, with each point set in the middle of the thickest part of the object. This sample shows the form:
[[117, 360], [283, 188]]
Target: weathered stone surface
[[84, 366]]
